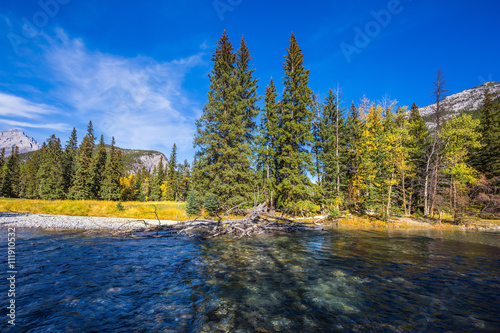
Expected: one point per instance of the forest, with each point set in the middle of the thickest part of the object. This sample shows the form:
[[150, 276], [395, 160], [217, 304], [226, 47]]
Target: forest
[[291, 150]]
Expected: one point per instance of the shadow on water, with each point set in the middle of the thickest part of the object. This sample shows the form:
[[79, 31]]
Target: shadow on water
[[314, 281]]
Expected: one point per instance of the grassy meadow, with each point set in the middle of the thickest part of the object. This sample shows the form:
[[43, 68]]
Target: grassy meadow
[[167, 210]]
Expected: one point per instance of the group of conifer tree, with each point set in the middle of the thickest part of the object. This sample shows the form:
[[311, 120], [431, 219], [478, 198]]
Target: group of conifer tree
[[87, 172], [307, 153]]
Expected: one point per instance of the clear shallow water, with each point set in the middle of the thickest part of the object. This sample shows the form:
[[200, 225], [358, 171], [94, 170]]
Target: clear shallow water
[[341, 280]]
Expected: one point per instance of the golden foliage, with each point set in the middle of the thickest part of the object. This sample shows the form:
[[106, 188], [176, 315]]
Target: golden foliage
[[167, 210]]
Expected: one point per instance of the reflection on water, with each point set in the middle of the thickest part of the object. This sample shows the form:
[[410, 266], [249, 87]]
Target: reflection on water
[[342, 280]]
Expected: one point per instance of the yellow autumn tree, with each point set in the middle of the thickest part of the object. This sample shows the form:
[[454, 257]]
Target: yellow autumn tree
[[129, 191]]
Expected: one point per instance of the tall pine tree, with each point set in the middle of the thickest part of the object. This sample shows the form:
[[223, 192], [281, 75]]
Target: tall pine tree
[[97, 169], [82, 188], [51, 171], [267, 162], [30, 181], [111, 189], [487, 159], [184, 180], [333, 151], [294, 133], [223, 139], [11, 175], [2, 163], [70, 159], [172, 179], [418, 139], [157, 182]]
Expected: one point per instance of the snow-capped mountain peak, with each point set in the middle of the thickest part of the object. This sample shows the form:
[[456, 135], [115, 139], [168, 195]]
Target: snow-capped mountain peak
[[14, 137]]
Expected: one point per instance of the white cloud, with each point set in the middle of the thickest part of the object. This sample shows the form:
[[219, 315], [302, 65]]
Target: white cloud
[[138, 100], [21, 124], [14, 106]]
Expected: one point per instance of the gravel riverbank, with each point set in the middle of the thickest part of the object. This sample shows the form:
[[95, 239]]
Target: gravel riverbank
[[60, 222], [44, 221]]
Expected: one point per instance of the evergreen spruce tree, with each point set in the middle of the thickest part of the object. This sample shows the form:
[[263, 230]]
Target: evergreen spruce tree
[[193, 203], [30, 181], [355, 129], [158, 180], [294, 133], [222, 138], [97, 169], [268, 148], [316, 107], [142, 184], [51, 171], [2, 163], [332, 143], [82, 187], [111, 189], [246, 90], [172, 178], [418, 139], [437, 145], [487, 159], [70, 160], [184, 177], [11, 175]]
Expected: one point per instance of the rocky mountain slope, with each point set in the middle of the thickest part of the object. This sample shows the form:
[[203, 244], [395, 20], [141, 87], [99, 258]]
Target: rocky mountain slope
[[469, 100], [136, 159], [11, 138]]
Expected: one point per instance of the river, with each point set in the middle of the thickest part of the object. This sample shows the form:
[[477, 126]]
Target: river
[[337, 280]]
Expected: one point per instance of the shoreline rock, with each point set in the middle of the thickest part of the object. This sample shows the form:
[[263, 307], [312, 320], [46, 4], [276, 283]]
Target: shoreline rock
[[46, 221]]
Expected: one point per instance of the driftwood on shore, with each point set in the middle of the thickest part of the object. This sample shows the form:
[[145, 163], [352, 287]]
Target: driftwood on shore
[[258, 221]]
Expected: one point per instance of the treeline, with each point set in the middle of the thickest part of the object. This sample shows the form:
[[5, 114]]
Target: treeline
[[306, 153], [297, 153], [88, 172]]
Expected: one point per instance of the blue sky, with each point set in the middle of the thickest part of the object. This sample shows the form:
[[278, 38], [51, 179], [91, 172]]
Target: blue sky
[[138, 69]]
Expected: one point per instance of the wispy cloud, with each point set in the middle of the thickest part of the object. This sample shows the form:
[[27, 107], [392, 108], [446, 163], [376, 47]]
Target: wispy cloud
[[14, 106], [138, 100], [21, 124], [15, 110]]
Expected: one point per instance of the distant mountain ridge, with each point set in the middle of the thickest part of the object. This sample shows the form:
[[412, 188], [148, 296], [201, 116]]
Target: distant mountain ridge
[[469, 101], [14, 137]]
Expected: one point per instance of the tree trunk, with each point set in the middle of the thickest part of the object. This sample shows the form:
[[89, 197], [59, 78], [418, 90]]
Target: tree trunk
[[426, 184], [388, 208], [404, 192], [410, 199], [435, 184]]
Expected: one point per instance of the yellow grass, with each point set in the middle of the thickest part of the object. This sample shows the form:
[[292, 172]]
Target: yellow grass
[[167, 210]]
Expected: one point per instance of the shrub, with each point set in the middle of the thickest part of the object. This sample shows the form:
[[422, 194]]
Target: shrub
[[211, 204], [119, 206], [306, 207], [334, 212], [193, 203], [236, 201]]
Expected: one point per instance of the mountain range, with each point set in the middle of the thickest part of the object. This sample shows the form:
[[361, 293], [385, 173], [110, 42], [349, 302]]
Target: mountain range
[[468, 101]]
